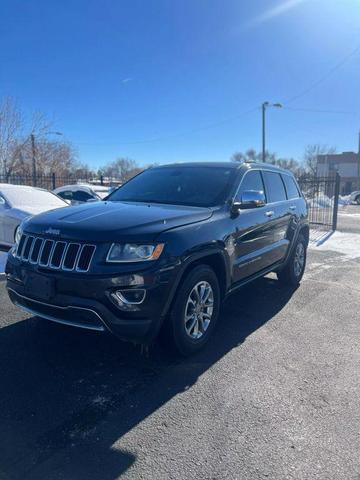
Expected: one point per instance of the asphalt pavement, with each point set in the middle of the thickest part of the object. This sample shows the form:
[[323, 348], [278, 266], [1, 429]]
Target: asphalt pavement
[[276, 394]]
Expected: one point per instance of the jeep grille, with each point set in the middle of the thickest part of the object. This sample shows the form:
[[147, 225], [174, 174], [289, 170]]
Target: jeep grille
[[58, 255]]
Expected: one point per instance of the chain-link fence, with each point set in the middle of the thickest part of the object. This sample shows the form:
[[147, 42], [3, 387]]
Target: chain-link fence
[[52, 180]]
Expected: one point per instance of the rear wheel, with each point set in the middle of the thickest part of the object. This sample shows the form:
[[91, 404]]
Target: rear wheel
[[294, 269], [195, 311], [357, 199]]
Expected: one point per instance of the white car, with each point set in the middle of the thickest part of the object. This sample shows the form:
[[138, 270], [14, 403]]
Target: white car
[[355, 197], [18, 202], [81, 193]]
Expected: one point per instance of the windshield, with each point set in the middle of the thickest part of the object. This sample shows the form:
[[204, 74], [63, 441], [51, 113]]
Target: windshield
[[194, 186], [32, 197]]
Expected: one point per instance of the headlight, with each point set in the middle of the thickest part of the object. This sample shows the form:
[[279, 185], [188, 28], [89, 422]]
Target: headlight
[[129, 252], [18, 234]]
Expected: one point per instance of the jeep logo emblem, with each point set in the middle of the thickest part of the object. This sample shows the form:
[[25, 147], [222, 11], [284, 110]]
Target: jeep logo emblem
[[52, 231]]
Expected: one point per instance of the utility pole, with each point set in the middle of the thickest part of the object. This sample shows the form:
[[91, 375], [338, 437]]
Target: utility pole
[[264, 106], [359, 161], [32, 138], [33, 151]]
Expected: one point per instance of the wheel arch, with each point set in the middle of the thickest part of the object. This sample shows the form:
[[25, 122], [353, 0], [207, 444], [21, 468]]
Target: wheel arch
[[216, 260], [305, 232]]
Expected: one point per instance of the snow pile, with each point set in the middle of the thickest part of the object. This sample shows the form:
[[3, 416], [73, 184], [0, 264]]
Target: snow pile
[[346, 243], [3, 257], [344, 200], [321, 202]]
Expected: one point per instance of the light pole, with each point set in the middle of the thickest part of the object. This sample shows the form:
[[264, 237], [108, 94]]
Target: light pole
[[33, 152], [264, 106]]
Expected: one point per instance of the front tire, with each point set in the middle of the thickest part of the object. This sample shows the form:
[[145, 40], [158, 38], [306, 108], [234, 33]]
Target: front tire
[[294, 269], [195, 311]]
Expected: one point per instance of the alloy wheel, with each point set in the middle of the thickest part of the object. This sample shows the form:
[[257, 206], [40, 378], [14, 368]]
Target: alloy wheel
[[199, 310], [299, 259]]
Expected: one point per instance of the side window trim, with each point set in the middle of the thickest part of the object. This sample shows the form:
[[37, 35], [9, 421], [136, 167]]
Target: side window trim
[[261, 171], [265, 191], [285, 189]]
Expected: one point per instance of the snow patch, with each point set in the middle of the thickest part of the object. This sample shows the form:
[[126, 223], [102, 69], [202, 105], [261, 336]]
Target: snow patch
[[346, 214], [323, 201], [347, 244], [344, 200]]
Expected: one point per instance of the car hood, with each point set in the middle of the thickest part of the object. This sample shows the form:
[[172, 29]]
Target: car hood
[[112, 221]]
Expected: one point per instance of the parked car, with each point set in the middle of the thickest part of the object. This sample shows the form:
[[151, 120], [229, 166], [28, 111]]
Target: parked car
[[163, 252], [18, 202], [81, 193], [355, 197]]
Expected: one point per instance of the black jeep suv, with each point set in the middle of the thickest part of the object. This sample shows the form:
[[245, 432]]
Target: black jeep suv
[[162, 251]]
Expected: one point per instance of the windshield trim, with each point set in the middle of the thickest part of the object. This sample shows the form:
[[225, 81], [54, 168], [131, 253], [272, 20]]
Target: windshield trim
[[175, 204]]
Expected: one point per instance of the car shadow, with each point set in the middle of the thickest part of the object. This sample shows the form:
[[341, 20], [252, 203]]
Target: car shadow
[[69, 394]]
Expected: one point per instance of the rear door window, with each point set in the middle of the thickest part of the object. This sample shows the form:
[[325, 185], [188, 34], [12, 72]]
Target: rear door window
[[291, 187], [275, 190]]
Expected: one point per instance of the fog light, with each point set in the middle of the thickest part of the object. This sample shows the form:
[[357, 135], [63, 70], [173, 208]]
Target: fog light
[[126, 299]]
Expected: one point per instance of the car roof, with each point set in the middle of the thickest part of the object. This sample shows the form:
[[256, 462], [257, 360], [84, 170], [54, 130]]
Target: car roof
[[234, 165], [266, 166], [84, 186], [10, 186]]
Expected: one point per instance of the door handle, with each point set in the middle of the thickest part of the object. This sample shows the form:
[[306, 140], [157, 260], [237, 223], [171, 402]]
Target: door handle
[[292, 207], [269, 213]]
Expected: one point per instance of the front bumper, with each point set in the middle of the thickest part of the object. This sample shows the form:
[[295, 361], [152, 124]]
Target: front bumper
[[86, 301]]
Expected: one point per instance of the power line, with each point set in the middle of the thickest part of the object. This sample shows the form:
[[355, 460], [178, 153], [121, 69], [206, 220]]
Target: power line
[[340, 112], [230, 119], [324, 77], [176, 135]]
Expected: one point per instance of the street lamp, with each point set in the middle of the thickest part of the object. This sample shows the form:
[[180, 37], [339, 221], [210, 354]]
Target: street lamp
[[264, 106], [33, 150]]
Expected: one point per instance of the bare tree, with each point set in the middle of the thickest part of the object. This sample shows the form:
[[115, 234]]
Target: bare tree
[[11, 127], [252, 155], [15, 146], [249, 156], [311, 156], [54, 156], [122, 169]]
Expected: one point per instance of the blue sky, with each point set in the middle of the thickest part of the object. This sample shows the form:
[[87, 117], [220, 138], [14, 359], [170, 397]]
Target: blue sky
[[170, 80]]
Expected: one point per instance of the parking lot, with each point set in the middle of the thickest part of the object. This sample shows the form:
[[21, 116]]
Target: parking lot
[[276, 394]]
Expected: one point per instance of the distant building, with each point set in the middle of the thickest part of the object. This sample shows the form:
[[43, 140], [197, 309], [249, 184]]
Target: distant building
[[347, 164]]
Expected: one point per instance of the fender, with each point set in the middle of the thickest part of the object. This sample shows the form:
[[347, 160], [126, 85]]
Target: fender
[[300, 227], [190, 259]]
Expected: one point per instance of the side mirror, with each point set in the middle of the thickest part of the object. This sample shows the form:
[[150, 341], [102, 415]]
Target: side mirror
[[2, 201], [253, 199], [250, 199]]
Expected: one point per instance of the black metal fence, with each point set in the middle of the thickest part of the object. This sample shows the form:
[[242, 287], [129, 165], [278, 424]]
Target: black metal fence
[[322, 196], [53, 180], [321, 193]]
